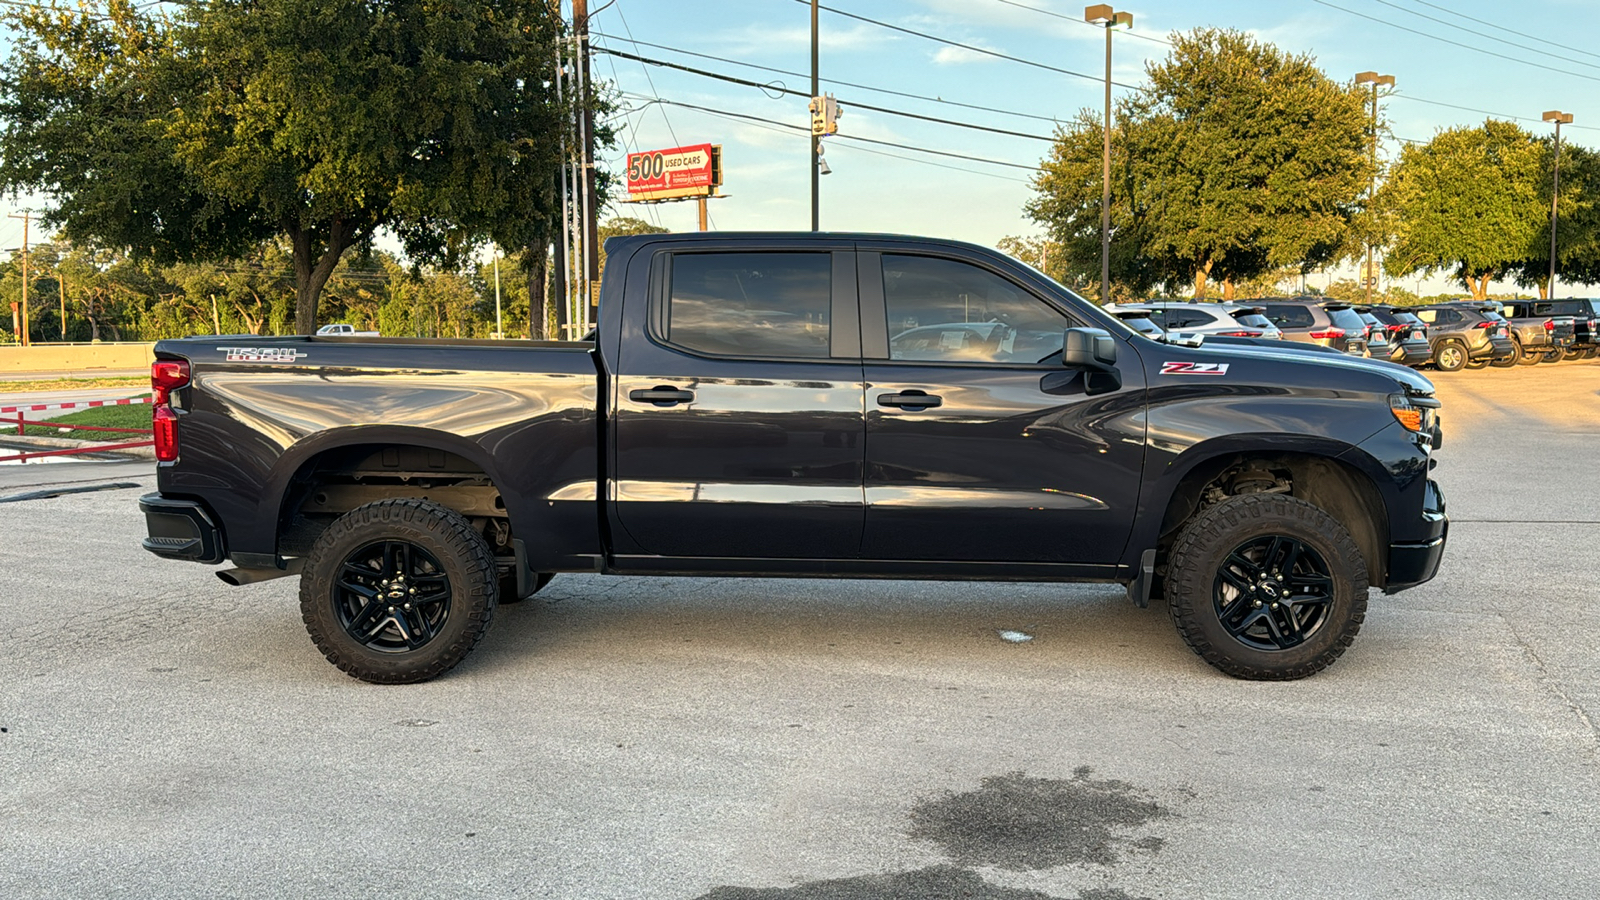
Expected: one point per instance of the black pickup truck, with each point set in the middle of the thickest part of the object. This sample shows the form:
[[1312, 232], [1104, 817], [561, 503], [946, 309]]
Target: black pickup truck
[[817, 405]]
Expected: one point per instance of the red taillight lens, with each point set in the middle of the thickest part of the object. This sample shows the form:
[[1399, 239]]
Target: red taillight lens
[[1239, 333], [1395, 329], [1485, 324], [1549, 324], [1330, 333], [166, 375], [165, 422]]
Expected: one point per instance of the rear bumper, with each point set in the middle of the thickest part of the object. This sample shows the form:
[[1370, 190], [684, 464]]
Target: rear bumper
[[1413, 353], [1415, 562], [181, 529]]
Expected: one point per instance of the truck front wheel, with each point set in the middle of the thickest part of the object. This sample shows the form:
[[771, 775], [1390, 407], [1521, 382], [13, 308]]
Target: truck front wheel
[[398, 591], [1267, 587]]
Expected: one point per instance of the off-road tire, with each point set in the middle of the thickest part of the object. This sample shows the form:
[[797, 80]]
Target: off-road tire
[[447, 542], [1477, 363], [1194, 584], [1516, 357], [1450, 355], [1527, 357]]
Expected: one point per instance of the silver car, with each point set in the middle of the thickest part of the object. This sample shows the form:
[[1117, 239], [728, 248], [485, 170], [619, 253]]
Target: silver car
[[1226, 319]]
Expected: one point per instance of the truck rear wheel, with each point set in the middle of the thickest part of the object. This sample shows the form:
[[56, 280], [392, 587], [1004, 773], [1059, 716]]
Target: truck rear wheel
[[398, 591], [1267, 587]]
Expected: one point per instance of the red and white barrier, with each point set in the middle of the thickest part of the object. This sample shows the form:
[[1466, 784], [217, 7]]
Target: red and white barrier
[[81, 404]]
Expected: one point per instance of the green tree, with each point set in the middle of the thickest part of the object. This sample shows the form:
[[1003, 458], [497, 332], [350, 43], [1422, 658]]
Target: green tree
[[1237, 159], [1468, 203], [321, 122]]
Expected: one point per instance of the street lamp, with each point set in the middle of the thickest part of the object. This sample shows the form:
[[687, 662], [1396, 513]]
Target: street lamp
[[1374, 79], [1103, 14], [1560, 118]]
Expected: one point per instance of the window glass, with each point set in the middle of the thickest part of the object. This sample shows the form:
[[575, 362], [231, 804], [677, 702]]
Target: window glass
[[1188, 318], [1294, 316], [1252, 320], [1346, 318], [940, 309], [751, 304]]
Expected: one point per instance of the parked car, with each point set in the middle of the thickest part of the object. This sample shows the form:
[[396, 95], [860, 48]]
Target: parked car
[[743, 411], [1378, 345], [1538, 337], [1227, 319], [1465, 334], [1315, 321], [1408, 335], [344, 329], [1585, 313]]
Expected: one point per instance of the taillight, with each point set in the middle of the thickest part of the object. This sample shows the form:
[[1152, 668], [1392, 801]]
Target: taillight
[[1484, 324], [1395, 329], [166, 376], [1549, 324], [1239, 333], [1330, 333]]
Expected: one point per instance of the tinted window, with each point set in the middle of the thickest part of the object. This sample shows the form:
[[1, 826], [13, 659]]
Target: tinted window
[[1254, 320], [1188, 318], [1405, 318], [1346, 318], [750, 304], [1294, 316], [940, 309]]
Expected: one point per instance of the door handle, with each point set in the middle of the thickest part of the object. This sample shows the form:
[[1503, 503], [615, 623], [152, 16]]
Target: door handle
[[912, 400], [662, 395]]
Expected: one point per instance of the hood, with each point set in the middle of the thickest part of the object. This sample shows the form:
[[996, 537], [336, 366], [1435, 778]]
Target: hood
[[1409, 378]]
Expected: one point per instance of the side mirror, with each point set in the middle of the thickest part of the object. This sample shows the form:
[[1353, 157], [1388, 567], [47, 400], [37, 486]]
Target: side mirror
[[1095, 351]]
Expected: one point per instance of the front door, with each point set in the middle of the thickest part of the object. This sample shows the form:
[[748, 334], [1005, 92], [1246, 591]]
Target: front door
[[980, 445], [738, 410]]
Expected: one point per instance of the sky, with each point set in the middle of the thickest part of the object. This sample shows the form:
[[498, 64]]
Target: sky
[[1450, 70]]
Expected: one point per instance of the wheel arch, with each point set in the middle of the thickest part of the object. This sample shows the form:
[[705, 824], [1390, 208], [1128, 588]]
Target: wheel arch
[[1335, 476]]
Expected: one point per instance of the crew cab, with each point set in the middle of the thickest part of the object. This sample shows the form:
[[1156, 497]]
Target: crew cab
[[801, 405]]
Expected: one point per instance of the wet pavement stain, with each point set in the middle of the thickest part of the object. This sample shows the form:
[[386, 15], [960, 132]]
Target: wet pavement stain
[[934, 883], [1020, 823]]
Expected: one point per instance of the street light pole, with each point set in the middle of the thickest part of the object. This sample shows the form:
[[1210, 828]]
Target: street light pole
[[1103, 14], [816, 141], [1559, 118], [1374, 79]]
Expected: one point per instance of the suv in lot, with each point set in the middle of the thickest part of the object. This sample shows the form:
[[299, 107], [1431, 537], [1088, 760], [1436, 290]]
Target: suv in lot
[[1585, 313], [1226, 319], [1466, 334], [1408, 335], [1314, 321]]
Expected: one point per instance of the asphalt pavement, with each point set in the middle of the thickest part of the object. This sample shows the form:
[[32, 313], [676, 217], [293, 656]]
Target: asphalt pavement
[[163, 735]]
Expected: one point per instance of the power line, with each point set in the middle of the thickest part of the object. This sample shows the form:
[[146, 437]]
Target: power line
[[1483, 35], [1535, 37], [1053, 14], [1454, 43], [795, 93], [1485, 112], [851, 84], [970, 47], [850, 137]]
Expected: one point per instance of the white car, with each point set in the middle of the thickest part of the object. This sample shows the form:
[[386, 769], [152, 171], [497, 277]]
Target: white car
[[344, 329]]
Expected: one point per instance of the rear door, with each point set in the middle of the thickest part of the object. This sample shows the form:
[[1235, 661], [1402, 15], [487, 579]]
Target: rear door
[[980, 445], [738, 421]]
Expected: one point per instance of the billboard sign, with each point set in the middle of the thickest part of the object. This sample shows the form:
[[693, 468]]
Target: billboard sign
[[693, 171]]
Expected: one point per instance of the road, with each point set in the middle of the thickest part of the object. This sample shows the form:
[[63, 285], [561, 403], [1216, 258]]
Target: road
[[162, 735]]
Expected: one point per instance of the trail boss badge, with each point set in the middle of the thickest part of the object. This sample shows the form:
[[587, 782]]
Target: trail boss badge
[[261, 354], [1193, 368]]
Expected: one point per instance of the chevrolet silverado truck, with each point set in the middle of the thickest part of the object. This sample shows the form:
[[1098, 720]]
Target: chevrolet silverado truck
[[800, 405]]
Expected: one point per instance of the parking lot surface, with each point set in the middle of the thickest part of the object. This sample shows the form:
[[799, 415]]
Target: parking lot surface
[[163, 735]]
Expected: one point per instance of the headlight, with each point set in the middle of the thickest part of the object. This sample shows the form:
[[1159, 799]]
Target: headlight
[[1416, 414]]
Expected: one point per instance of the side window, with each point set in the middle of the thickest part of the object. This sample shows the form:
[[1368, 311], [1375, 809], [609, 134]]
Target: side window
[[1447, 317], [1429, 316], [1188, 318], [1290, 316], [750, 304], [949, 311]]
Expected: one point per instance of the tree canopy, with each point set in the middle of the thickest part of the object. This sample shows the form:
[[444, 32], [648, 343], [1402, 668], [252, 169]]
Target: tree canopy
[[1237, 159], [1468, 202], [319, 121]]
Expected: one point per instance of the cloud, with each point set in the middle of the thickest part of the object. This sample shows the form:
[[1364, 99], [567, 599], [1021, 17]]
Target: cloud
[[955, 56]]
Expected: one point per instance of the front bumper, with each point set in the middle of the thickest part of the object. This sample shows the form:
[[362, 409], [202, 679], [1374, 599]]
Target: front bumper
[[1415, 562], [181, 529]]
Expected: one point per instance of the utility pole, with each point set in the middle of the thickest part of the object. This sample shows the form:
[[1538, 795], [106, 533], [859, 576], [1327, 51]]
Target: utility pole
[[1102, 14], [25, 217], [591, 211], [1374, 79], [499, 326], [816, 140], [1560, 118]]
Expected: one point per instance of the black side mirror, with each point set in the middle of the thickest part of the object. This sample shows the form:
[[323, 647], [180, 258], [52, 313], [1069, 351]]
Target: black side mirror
[[1095, 351]]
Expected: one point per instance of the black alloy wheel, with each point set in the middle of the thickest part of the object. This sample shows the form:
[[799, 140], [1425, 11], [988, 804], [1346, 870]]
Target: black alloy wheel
[[1272, 592], [398, 591], [1266, 587], [392, 596]]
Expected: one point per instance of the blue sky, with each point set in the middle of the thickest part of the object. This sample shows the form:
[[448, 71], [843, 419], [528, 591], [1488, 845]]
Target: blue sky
[[766, 166], [766, 174]]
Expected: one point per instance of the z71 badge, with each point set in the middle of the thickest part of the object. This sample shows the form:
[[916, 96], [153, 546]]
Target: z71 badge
[[261, 354], [1193, 368]]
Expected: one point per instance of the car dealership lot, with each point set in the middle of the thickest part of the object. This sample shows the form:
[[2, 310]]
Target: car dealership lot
[[166, 735]]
